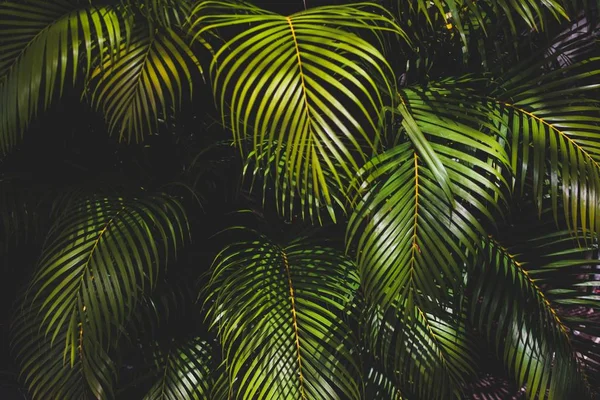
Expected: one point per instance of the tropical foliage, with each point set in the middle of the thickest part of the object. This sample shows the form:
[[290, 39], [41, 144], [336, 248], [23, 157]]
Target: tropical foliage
[[366, 200]]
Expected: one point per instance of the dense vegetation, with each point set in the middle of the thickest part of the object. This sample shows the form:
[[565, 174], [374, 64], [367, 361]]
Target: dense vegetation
[[320, 200]]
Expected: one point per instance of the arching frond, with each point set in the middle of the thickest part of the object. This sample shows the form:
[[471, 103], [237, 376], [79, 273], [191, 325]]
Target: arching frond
[[40, 45], [411, 238], [554, 122], [44, 370], [519, 314], [184, 372], [144, 83], [97, 260], [278, 312], [427, 355], [306, 88]]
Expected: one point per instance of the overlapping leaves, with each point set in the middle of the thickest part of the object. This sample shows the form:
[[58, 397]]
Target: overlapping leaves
[[426, 355], [554, 134], [40, 45], [43, 368], [98, 258], [307, 88], [278, 312], [168, 13], [458, 12], [413, 237], [186, 372], [520, 308], [146, 82]]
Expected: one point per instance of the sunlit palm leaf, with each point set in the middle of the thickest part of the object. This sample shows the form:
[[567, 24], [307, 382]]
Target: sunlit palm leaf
[[185, 372], [305, 88], [523, 323], [467, 139], [411, 238], [278, 313], [40, 44], [146, 82], [554, 121]]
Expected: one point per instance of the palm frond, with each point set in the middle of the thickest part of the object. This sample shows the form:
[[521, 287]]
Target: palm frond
[[427, 355], [146, 82], [411, 237], [554, 137], [40, 45], [566, 270], [278, 315], [305, 88], [185, 372], [518, 314], [44, 370], [96, 262]]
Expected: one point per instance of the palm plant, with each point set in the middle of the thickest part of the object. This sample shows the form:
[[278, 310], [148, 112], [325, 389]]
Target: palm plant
[[420, 180]]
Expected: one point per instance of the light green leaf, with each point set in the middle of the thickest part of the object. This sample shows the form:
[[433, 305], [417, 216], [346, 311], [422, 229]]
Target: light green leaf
[[308, 88], [145, 83]]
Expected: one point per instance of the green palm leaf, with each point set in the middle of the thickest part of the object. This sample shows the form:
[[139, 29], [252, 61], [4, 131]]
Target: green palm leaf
[[40, 45], [144, 83], [185, 372], [411, 239], [44, 370], [97, 260], [523, 322], [168, 13], [429, 355], [278, 314], [555, 137], [305, 88]]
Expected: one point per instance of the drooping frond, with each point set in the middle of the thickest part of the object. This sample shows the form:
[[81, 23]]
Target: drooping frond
[[146, 82], [185, 372], [46, 373], [306, 88], [97, 260], [43, 45], [519, 314], [565, 269], [427, 355], [412, 238], [278, 313], [287, 201], [554, 124]]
